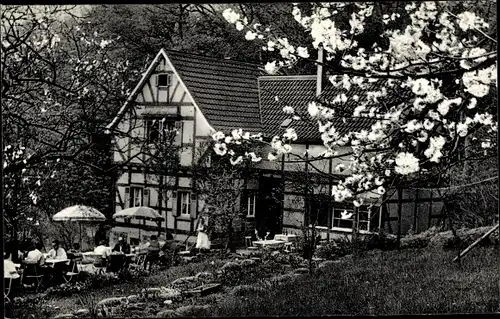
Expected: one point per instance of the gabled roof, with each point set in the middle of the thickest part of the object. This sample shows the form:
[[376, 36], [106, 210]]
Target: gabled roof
[[226, 91], [233, 94]]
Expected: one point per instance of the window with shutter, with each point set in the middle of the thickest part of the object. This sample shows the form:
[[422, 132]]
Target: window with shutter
[[184, 202], [136, 196], [164, 80]]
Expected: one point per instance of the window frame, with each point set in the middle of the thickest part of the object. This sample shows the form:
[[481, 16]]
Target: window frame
[[169, 77], [362, 211], [184, 195], [133, 196], [251, 212], [161, 126]]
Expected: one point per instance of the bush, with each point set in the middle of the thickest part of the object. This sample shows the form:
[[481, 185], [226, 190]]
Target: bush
[[380, 241], [246, 290], [67, 289], [335, 249], [31, 306]]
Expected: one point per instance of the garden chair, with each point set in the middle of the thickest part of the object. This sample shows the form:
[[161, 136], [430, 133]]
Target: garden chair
[[139, 261], [35, 273], [101, 264], [6, 291], [248, 241], [289, 247], [74, 269], [117, 262]]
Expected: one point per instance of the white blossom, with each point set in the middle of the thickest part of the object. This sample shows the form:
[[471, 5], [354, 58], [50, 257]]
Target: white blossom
[[444, 107], [239, 26], [220, 149], [302, 52], [313, 109], [250, 35], [406, 163], [434, 150], [217, 136], [230, 16], [271, 157], [271, 67], [238, 160], [290, 134], [288, 110], [467, 20]]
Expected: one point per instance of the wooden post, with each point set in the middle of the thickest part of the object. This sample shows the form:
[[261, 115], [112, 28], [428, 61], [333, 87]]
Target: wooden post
[[355, 224], [400, 199], [415, 211], [430, 209], [466, 250], [282, 192], [330, 206]]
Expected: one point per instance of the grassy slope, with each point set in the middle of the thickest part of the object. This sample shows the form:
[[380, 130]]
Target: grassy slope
[[406, 282]]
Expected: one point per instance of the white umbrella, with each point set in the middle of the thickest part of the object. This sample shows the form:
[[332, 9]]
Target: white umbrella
[[141, 212], [80, 214]]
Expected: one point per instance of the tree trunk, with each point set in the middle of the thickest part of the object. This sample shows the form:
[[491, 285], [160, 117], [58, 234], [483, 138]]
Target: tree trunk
[[230, 239]]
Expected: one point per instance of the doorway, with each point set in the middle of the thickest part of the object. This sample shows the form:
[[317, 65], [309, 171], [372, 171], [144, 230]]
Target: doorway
[[268, 217]]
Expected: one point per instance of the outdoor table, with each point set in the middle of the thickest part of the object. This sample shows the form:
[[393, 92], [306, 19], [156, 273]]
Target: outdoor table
[[90, 256], [53, 262], [286, 238], [269, 243]]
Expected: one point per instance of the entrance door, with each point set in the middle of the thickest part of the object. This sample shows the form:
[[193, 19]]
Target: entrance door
[[268, 217]]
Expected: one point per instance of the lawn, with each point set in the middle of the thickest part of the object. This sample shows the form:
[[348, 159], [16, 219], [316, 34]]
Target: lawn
[[383, 283]]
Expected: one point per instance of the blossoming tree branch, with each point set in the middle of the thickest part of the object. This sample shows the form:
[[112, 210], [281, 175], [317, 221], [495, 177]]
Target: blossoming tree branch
[[434, 61]]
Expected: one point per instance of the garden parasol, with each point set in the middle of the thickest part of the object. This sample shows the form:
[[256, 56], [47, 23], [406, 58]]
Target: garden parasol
[[141, 212], [80, 214]]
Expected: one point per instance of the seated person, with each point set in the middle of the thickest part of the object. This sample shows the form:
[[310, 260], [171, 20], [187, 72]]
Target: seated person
[[122, 246], [102, 249], [152, 253], [75, 255], [35, 256], [57, 252], [75, 249], [9, 268]]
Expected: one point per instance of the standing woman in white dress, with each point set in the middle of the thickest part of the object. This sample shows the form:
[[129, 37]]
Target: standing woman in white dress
[[202, 241]]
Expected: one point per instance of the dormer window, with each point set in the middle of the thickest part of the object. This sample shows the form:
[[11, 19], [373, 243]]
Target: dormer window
[[164, 80]]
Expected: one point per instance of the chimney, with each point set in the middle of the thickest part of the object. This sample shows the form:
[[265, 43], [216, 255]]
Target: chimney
[[319, 74]]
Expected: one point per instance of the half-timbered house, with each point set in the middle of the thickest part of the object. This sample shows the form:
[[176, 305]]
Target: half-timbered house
[[201, 95]]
